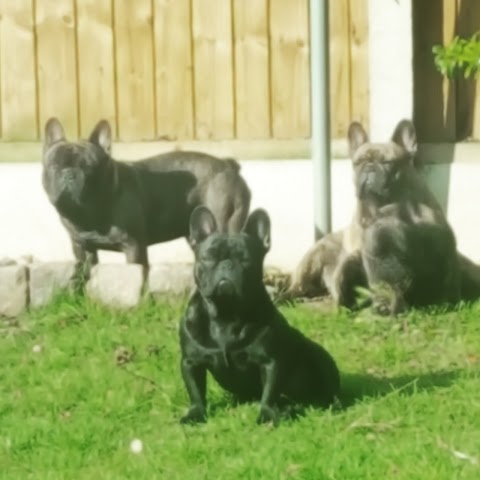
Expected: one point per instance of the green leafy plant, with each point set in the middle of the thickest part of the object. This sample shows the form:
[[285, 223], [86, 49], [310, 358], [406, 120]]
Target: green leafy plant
[[461, 55]]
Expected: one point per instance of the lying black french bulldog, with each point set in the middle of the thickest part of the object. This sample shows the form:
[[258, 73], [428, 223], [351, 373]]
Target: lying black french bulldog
[[127, 206], [232, 329]]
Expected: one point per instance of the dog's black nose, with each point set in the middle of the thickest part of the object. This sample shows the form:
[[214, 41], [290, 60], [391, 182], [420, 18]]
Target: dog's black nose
[[69, 175], [370, 167], [225, 287]]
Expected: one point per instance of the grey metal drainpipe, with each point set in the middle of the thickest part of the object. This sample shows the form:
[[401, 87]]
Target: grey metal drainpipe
[[320, 116]]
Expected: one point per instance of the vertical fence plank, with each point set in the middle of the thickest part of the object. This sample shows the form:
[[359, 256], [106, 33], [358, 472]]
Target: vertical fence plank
[[96, 88], [133, 25], [474, 15], [468, 91], [173, 75], [213, 63], [449, 86], [358, 49], [340, 75], [290, 68], [252, 108], [56, 63], [18, 87]]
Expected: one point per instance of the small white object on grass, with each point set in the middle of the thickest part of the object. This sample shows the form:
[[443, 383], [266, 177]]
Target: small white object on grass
[[36, 348], [465, 456], [136, 445]]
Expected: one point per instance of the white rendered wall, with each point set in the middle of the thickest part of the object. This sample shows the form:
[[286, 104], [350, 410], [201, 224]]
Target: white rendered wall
[[390, 65]]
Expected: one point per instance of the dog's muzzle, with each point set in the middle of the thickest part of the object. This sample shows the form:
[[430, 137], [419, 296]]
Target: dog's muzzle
[[371, 181], [225, 288], [71, 183]]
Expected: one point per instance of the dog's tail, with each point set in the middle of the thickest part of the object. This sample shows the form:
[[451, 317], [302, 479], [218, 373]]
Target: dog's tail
[[233, 163]]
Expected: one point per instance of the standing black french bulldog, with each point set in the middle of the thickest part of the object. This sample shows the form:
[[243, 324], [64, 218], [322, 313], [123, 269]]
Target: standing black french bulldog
[[232, 329], [127, 206]]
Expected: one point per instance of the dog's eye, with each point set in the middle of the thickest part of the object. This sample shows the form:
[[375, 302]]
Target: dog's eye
[[207, 260], [245, 261]]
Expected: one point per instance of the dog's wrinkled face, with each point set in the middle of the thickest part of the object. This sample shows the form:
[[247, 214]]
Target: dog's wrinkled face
[[228, 267], [74, 172], [380, 169]]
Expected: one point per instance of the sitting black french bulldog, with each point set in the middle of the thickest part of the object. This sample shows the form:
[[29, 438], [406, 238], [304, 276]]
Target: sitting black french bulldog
[[232, 329], [127, 206]]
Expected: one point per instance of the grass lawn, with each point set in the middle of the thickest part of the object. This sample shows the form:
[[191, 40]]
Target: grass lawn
[[78, 383]]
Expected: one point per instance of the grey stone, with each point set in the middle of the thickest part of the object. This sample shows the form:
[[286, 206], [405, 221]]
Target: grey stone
[[47, 279], [13, 290], [27, 260], [170, 278], [7, 262], [23, 260], [116, 285]]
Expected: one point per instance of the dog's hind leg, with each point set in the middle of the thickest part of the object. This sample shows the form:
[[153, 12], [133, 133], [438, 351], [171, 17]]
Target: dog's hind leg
[[85, 260], [228, 197], [137, 253], [241, 207], [348, 277], [411, 265], [315, 273], [237, 219]]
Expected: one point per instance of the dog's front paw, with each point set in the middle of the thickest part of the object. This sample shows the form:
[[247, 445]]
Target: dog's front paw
[[388, 308], [267, 415], [194, 415], [382, 308], [77, 285]]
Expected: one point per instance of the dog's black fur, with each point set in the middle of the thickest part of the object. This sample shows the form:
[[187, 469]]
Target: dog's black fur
[[127, 206], [232, 329], [399, 243]]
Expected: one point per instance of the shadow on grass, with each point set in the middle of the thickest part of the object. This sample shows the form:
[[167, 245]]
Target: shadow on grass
[[287, 410], [357, 387]]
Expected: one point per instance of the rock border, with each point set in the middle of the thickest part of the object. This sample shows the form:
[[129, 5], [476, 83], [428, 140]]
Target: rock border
[[33, 284], [27, 283]]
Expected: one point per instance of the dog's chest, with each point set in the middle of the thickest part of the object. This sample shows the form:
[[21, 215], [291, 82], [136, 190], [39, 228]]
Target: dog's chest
[[231, 339], [112, 238], [225, 335]]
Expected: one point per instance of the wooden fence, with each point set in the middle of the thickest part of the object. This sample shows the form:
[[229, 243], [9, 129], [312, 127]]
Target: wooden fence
[[175, 69], [445, 110]]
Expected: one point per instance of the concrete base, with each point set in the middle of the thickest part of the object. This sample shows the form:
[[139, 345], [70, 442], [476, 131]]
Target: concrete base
[[29, 224]]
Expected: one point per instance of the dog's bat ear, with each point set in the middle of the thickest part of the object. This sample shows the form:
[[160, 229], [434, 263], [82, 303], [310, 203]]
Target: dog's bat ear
[[258, 226], [202, 225], [53, 132], [102, 136], [405, 136], [357, 136]]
